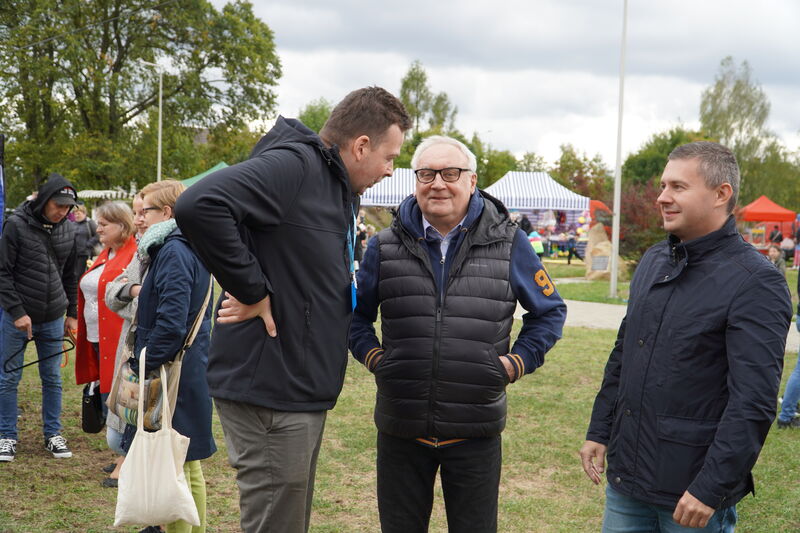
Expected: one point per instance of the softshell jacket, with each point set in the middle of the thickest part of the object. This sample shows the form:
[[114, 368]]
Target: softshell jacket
[[447, 320], [691, 385], [277, 225], [37, 261], [87, 366], [172, 294]]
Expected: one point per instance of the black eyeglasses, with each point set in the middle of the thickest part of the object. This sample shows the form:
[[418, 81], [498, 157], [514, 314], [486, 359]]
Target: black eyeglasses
[[449, 174], [146, 209]]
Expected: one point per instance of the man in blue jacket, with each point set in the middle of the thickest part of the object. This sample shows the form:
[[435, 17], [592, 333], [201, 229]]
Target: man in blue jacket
[[278, 231], [690, 388], [447, 276]]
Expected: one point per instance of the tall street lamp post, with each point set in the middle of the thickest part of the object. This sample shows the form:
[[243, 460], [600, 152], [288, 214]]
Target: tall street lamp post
[[618, 166], [160, 89]]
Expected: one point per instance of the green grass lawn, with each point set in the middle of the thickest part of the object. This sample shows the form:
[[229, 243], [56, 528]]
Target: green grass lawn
[[543, 488], [598, 291], [594, 291]]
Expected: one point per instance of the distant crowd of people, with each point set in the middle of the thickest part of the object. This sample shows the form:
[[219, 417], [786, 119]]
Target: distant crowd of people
[[687, 398]]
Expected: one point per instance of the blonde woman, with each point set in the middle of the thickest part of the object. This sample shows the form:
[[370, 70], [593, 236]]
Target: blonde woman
[[172, 293]]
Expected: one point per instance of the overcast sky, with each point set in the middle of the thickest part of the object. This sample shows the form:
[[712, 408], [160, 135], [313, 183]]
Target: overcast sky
[[531, 75]]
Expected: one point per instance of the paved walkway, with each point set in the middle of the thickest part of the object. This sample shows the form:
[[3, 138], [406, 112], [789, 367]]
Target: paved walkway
[[609, 316]]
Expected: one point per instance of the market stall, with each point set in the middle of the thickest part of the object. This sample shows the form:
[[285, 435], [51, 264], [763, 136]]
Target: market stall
[[760, 217], [547, 204], [389, 192]]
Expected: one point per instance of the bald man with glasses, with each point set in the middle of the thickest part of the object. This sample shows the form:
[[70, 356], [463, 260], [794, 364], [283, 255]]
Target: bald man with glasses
[[447, 276]]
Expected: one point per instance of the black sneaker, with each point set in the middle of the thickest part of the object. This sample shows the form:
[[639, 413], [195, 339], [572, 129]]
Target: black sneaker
[[57, 445], [791, 424], [8, 450]]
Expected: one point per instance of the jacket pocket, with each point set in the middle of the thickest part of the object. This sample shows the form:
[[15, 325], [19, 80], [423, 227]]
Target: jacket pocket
[[682, 447], [495, 358], [382, 360]]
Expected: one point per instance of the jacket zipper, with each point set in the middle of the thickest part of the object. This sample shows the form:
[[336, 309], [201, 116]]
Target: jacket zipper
[[434, 366]]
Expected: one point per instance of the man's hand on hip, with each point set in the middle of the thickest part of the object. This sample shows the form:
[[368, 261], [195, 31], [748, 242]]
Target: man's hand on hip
[[691, 512], [591, 451], [24, 323], [233, 311]]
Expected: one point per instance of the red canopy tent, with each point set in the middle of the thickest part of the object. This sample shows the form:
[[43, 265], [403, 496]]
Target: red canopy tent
[[765, 210]]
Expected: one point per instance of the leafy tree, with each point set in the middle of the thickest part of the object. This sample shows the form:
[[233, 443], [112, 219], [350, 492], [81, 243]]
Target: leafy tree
[[229, 144], [775, 173], [73, 84], [640, 221], [735, 109], [316, 113], [649, 161], [415, 93], [532, 162], [586, 176], [492, 164], [442, 113], [407, 150]]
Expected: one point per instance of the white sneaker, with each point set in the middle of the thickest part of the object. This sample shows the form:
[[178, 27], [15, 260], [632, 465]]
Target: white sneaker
[[57, 445], [8, 450]]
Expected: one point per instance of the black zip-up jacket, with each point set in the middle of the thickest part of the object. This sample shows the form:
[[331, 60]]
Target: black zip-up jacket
[[690, 389], [37, 261], [277, 225]]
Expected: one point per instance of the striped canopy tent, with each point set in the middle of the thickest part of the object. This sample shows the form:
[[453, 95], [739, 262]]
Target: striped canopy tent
[[390, 191], [534, 191], [117, 193]]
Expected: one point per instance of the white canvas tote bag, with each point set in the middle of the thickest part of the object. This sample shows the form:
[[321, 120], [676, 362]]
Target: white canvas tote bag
[[152, 485]]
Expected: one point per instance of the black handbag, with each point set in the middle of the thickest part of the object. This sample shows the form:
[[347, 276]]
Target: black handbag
[[92, 419]]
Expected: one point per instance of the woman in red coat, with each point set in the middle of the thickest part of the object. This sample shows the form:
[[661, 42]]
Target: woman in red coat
[[99, 327]]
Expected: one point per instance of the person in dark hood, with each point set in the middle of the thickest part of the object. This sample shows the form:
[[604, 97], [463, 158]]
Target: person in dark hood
[[278, 233], [37, 287]]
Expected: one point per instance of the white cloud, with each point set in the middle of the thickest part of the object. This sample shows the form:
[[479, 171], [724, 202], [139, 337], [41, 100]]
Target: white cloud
[[529, 76]]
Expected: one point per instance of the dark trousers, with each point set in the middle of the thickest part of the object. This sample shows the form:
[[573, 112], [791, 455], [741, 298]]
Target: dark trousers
[[470, 473]]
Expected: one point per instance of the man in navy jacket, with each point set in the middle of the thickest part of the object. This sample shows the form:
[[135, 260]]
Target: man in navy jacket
[[447, 276], [277, 231], [690, 388]]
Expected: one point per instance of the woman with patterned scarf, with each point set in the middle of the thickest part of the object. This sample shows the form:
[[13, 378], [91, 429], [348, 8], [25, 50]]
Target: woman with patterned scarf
[[173, 290]]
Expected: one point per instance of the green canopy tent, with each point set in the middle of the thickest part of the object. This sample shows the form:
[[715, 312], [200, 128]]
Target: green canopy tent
[[194, 179]]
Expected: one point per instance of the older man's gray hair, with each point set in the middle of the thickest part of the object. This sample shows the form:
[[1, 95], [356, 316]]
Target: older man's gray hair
[[472, 162]]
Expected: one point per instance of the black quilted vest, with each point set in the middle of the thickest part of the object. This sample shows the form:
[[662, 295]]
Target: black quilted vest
[[38, 273], [440, 375]]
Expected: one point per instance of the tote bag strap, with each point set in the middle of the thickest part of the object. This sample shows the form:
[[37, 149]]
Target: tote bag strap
[[198, 321], [166, 409], [175, 366]]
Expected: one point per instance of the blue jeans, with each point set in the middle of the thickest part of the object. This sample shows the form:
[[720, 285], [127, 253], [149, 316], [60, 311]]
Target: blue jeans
[[628, 515], [791, 395], [49, 373]]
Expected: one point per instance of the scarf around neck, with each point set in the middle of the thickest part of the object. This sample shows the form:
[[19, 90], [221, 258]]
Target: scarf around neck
[[154, 236]]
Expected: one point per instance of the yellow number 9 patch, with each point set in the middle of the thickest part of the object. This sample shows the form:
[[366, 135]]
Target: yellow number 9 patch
[[543, 280]]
